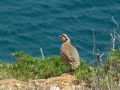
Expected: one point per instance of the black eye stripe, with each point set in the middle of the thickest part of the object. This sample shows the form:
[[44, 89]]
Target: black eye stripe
[[64, 37]]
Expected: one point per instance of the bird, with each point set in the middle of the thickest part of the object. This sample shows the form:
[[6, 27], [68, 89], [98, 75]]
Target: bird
[[69, 53]]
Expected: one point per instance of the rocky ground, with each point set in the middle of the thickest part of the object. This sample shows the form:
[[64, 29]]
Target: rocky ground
[[62, 82]]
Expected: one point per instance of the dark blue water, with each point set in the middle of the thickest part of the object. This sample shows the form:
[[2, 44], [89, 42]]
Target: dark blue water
[[29, 25]]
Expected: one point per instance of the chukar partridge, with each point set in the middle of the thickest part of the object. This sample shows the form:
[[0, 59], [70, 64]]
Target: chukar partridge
[[69, 53]]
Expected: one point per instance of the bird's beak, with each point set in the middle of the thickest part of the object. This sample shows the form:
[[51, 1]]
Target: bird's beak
[[60, 36]]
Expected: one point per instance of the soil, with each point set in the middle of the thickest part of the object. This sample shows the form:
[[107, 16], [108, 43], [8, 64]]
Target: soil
[[62, 82]]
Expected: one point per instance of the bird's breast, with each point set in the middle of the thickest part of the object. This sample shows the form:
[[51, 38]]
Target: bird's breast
[[67, 46]]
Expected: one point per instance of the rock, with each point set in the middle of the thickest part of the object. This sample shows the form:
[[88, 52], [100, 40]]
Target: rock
[[62, 82]]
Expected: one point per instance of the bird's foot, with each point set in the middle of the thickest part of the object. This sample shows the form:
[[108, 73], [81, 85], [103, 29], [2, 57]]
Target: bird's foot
[[71, 71]]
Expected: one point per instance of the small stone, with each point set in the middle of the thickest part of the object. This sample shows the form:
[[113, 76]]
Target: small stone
[[53, 87]]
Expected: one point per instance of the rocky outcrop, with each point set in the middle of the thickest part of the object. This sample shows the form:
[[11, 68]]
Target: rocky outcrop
[[62, 82]]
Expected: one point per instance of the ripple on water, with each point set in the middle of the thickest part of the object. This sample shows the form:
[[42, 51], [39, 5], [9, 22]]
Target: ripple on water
[[32, 24]]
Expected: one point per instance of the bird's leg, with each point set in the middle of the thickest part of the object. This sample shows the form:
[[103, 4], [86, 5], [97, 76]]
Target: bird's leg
[[71, 70]]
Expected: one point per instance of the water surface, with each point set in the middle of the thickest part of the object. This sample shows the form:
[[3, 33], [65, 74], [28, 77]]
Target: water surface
[[29, 25]]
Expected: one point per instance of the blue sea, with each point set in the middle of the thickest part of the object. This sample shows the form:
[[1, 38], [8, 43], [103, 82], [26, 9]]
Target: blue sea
[[29, 25]]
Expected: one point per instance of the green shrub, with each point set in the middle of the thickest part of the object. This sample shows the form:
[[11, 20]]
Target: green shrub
[[84, 72], [30, 67], [108, 76]]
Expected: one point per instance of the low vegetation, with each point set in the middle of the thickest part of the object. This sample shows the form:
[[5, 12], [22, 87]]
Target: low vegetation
[[28, 67], [106, 77]]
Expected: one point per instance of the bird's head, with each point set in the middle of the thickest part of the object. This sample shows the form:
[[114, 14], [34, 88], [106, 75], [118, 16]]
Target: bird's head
[[64, 38]]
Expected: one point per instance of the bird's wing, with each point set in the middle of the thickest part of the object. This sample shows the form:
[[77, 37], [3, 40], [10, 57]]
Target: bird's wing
[[66, 58], [74, 54], [67, 51]]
